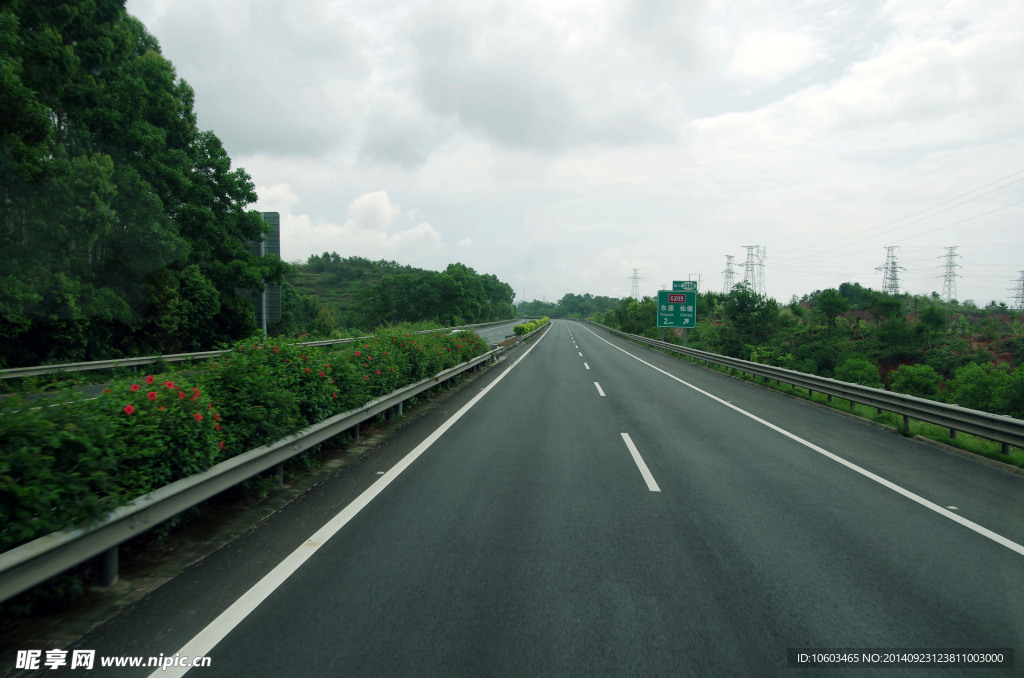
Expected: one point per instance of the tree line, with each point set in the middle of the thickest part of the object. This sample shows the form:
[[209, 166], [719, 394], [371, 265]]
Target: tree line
[[914, 344], [124, 227], [358, 295]]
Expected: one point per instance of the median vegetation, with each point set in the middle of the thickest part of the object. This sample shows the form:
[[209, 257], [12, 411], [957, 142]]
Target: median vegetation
[[528, 327], [65, 460]]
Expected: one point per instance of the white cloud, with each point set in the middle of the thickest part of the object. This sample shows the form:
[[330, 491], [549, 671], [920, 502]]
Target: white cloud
[[560, 145], [370, 229]]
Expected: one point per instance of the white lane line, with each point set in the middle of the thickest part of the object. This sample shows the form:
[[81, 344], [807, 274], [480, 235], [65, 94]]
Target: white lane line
[[644, 471], [586, 365], [220, 627], [599, 388], [581, 354], [971, 525]]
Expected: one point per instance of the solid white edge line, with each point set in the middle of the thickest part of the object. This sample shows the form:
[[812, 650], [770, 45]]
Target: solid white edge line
[[215, 631], [599, 389], [983, 531], [644, 471]]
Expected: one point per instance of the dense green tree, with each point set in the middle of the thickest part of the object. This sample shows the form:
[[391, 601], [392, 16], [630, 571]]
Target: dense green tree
[[123, 224], [917, 380], [973, 386], [831, 304], [859, 371]]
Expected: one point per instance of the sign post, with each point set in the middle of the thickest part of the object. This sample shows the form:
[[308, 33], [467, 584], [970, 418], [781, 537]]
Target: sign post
[[678, 307]]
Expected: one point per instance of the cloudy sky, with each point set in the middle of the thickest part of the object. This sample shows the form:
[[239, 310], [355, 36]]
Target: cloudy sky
[[561, 145]]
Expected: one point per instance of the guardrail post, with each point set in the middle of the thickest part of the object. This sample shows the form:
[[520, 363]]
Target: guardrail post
[[952, 434], [107, 566], [279, 471]]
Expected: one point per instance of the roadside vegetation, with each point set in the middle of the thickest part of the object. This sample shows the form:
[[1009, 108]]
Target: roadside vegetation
[[65, 460]]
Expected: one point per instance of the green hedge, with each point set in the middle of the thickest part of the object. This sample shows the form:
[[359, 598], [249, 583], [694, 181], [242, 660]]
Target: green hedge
[[63, 463], [527, 327]]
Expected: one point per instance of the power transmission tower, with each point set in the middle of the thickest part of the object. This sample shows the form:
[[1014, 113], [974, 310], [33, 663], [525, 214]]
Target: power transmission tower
[[729, 273], [753, 268], [1018, 299], [949, 281], [762, 257], [635, 290], [750, 267], [890, 271]]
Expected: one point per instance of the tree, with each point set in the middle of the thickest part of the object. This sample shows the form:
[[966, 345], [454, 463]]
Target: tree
[[917, 380], [753, 316], [832, 304], [859, 371], [973, 386]]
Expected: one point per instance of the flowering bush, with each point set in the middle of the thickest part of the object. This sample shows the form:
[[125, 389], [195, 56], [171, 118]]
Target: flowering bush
[[64, 460]]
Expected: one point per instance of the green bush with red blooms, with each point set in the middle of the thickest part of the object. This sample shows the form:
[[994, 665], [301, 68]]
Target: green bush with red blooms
[[65, 461]]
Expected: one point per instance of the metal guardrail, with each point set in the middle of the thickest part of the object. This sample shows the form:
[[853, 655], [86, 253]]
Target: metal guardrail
[[29, 564], [1005, 430], [37, 370]]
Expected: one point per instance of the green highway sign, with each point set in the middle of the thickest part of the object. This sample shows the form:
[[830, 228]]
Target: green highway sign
[[684, 286], [678, 309]]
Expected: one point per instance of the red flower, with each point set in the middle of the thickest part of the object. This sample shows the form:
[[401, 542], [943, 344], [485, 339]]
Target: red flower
[[195, 391], [332, 381], [107, 390], [366, 378], [287, 361], [150, 378], [303, 357], [128, 409], [216, 427], [221, 446], [216, 415], [169, 384], [197, 416], [276, 350], [357, 353], [321, 374], [334, 395], [161, 408], [133, 388], [378, 373], [151, 395], [181, 395], [306, 370]]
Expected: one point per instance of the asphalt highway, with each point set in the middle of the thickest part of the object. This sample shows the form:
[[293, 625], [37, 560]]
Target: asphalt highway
[[592, 507]]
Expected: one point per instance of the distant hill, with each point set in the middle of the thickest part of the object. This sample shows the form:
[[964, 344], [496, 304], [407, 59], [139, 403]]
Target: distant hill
[[329, 294]]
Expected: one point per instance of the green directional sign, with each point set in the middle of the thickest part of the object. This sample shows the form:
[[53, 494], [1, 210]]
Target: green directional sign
[[678, 309]]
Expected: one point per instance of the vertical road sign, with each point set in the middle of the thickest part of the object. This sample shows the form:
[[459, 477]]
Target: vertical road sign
[[678, 308]]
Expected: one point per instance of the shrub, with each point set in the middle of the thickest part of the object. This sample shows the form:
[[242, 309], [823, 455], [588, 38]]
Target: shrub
[[917, 380], [973, 386], [859, 371]]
